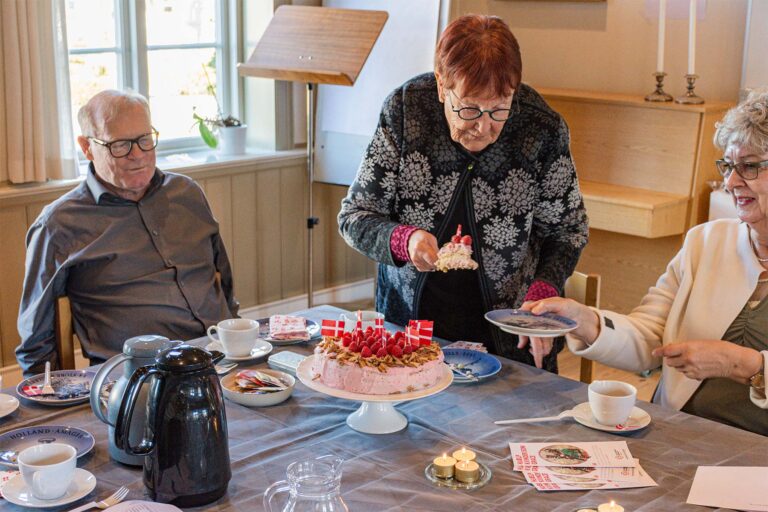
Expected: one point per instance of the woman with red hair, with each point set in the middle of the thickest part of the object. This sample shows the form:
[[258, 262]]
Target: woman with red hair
[[469, 144]]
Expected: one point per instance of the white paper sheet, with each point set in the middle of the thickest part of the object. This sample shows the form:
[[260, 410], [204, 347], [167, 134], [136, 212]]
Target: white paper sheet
[[736, 487], [611, 454]]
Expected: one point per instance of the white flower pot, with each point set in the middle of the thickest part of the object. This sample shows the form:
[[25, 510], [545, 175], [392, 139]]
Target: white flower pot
[[232, 140]]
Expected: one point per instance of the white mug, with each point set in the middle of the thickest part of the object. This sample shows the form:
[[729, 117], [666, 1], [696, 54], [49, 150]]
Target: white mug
[[368, 319], [48, 469], [611, 401], [237, 335]]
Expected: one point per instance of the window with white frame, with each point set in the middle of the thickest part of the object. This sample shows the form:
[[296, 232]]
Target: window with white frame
[[168, 50]]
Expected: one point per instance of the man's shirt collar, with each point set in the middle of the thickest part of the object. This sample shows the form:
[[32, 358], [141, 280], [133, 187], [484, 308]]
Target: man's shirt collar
[[101, 194]]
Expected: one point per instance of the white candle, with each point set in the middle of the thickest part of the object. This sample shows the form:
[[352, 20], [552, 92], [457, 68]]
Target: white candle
[[464, 454], [662, 27], [610, 507], [692, 38]]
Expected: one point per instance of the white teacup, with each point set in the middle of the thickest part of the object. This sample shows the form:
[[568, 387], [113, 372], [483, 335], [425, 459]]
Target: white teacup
[[48, 469], [368, 319], [611, 401], [237, 335]]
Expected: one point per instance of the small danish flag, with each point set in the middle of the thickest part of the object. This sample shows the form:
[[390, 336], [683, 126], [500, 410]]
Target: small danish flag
[[423, 329], [359, 324], [378, 327], [332, 328]]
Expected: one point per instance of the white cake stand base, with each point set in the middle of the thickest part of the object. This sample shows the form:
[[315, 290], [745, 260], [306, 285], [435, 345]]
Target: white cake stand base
[[377, 413]]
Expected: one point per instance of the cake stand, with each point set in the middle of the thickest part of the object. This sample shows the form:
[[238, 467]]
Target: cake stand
[[377, 414]]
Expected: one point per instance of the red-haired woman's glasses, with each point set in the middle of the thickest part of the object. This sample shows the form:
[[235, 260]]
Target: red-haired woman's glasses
[[122, 148], [471, 113], [747, 170]]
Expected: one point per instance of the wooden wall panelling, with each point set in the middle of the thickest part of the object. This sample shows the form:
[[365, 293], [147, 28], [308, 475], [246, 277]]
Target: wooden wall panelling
[[293, 229], [634, 147], [269, 261], [12, 251], [321, 242], [245, 252], [219, 194], [705, 168]]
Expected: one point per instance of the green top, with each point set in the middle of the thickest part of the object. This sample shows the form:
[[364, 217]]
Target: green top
[[724, 400]]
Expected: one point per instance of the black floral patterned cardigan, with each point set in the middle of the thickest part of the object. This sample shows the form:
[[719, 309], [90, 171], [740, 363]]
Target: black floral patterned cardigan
[[526, 205]]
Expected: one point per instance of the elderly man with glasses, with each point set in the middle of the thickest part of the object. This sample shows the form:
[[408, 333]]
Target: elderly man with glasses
[[469, 144], [135, 249]]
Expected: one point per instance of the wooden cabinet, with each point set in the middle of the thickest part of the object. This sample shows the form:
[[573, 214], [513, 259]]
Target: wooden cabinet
[[643, 167]]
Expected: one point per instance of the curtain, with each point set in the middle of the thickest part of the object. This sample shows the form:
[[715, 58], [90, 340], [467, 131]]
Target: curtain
[[36, 138]]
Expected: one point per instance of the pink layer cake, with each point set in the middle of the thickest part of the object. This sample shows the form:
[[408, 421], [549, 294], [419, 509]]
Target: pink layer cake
[[339, 367]]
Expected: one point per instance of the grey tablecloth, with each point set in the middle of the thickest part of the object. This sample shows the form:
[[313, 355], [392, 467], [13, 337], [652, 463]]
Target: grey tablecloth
[[386, 472]]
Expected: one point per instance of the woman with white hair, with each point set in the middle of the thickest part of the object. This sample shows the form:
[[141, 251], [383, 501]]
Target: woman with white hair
[[706, 320]]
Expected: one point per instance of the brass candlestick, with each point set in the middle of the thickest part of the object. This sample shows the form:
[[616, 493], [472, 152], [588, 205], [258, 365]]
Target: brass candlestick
[[659, 94], [690, 97]]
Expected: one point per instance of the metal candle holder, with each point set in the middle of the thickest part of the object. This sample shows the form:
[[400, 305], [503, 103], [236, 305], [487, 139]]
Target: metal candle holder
[[659, 94], [690, 97]]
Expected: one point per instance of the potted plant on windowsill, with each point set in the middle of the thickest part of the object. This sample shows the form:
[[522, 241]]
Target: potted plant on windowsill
[[226, 134]]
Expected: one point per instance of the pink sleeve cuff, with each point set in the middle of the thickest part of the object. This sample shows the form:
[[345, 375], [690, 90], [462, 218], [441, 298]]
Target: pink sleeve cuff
[[398, 243], [540, 290]]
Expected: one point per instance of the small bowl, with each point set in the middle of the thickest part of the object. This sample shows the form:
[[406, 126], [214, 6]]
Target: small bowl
[[257, 399]]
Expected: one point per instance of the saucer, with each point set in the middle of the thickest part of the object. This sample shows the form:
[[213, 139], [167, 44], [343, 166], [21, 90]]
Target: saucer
[[14, 441], [72, 387], [8, 404], [16, 491], [525, 323], [638, 419], [260, 349], [477, 364]]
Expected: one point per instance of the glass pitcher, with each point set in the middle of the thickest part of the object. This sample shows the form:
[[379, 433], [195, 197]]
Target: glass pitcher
[[314, 485]]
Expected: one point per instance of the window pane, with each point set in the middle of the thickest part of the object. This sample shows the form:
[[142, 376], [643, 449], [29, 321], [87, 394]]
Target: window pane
[[89, 74], [90, 24], [181, 21], [177, 85]]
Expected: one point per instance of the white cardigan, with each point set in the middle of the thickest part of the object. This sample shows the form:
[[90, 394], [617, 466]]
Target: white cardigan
[[704, 288]]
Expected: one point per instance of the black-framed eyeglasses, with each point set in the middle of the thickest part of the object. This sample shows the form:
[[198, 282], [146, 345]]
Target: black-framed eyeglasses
[[471, 113], [122, 148], [747, 170]]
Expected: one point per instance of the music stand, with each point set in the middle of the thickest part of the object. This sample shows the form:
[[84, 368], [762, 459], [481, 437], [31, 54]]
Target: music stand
[[316, 45]]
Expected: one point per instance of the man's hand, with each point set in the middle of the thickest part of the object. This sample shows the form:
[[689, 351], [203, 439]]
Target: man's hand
[[422, 249], [703, 359]]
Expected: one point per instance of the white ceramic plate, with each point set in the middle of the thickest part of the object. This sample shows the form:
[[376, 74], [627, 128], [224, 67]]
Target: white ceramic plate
[[258, 399], [16, 491], [638, 419], [260, 349], [8, 404]]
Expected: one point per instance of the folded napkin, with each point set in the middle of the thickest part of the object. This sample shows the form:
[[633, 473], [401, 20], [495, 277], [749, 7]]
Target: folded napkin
[[285, 327]]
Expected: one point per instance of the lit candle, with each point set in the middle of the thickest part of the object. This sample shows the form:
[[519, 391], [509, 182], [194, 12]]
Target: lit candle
[[692, 38], [610, 507], [662, 27], [464, 454], [467, 471], [444, 466]]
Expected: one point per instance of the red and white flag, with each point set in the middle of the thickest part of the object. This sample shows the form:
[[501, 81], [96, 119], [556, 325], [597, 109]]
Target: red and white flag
[[422, 330], [359, 324], [412, 335], [332, 328], [378, 327]]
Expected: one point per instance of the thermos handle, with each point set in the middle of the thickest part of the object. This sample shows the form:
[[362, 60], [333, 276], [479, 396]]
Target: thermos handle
[[98, 383], [272, 490], [125, 416]]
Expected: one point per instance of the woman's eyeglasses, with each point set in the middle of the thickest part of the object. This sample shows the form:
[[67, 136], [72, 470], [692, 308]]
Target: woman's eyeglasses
[[122, 148], [472, 113], [747, 170]]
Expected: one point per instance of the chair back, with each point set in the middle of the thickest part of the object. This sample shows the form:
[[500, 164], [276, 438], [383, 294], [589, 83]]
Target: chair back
[[65, 334], [584, 288]]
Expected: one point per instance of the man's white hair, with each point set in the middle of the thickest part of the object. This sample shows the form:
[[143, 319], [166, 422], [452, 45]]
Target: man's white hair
[[105, 106]]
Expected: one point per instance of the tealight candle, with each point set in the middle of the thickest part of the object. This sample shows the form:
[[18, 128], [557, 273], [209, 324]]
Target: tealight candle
[[444, 466], [467, 471], [610, 507], [464, 454]]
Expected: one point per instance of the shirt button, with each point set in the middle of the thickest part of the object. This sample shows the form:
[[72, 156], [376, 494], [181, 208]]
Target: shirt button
[[470, 167], [169, 262], [154, 232]]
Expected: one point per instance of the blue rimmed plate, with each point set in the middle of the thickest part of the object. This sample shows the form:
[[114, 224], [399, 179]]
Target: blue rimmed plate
[[71, 386], [471, 365], [14, 441], [313, 329], [526, 323]]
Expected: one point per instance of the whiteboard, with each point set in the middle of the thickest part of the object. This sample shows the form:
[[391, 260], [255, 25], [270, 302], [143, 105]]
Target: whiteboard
[[347, 116]]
